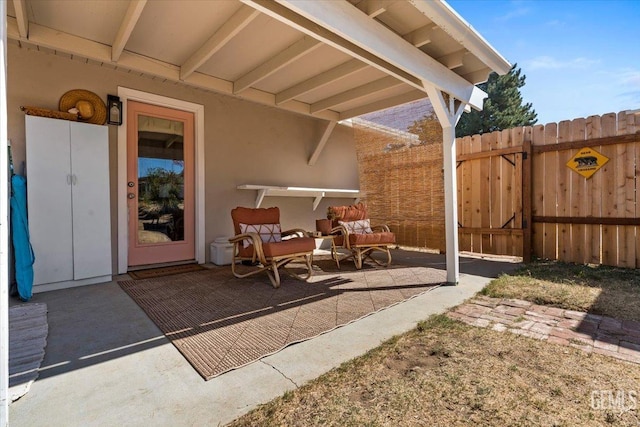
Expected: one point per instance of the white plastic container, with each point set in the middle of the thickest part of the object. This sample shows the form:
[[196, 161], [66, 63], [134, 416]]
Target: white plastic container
[[221, 251]]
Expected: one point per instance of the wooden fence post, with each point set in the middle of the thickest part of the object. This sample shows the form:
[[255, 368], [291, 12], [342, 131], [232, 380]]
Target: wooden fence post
[[527, 223]]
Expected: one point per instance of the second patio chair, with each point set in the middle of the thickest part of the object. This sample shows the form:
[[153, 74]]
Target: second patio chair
[[353, 231], [261, 246]]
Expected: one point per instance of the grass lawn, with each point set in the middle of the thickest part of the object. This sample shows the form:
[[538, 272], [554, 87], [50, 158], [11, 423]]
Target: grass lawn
[[445, 373], [603, 290]]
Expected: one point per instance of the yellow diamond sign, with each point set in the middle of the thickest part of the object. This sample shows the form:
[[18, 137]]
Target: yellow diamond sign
[[587, 161]]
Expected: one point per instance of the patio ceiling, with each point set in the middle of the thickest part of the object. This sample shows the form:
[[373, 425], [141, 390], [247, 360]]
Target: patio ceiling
[[328, 59]]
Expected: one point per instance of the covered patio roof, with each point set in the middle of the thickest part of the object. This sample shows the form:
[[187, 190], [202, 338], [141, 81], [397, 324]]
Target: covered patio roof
[[332, 60], [328, 59]]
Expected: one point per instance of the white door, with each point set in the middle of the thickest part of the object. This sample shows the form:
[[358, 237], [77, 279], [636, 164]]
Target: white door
[[49, 198], [91, 204]]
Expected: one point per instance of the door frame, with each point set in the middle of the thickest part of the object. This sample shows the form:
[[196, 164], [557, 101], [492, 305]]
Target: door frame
[[125, 95]]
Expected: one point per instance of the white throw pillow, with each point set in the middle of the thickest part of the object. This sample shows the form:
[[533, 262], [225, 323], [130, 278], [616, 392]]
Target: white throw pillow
[[362, 226], [268, 232]]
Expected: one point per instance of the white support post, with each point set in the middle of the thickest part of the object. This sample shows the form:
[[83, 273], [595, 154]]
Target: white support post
[[4, 230], [448, 112], [451, 204]]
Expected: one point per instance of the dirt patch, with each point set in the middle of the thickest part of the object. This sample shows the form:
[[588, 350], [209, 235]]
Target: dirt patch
[[446, 373]]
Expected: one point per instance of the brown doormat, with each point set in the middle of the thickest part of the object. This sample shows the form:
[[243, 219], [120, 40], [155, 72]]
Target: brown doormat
[[220, 323], [164, 271]]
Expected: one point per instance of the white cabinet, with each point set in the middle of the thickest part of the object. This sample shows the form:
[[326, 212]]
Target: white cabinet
[[68, 202]]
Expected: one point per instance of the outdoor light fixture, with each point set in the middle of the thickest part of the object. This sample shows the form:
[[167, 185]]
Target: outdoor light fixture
[[114, 110]]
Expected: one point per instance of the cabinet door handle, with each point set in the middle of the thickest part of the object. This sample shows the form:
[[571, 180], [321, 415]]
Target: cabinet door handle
[[74, 179], [68, 179]]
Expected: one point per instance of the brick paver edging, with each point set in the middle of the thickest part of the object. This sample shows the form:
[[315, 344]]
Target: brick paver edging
[[588, 332]]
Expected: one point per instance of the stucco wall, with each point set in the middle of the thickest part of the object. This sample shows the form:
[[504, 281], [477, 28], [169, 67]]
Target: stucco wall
[[245, 143]]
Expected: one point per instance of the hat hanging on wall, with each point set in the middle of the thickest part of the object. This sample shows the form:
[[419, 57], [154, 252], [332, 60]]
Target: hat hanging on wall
[[89, 106]]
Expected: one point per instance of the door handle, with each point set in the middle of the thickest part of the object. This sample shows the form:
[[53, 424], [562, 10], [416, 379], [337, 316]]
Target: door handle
[[131, 195]]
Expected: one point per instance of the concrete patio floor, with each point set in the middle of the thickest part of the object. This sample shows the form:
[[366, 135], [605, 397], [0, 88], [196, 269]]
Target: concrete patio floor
[[107, 364]]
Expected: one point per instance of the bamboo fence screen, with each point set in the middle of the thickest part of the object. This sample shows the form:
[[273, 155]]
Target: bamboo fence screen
[[403, 184]]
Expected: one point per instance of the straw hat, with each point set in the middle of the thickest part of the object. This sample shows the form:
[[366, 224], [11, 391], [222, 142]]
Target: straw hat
[[90, 107]]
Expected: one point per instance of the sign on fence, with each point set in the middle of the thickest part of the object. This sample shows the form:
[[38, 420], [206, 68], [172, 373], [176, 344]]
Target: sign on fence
[[587, 161]]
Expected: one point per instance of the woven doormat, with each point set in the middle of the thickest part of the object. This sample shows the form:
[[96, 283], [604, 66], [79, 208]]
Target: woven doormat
[[164, 271], [28, 330]]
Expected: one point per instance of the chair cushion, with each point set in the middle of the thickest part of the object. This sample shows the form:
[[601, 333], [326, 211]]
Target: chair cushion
[[372, 238], [348, 213], [362, 226], [283, 247], [268, 232], [289, 246], [254, 216]]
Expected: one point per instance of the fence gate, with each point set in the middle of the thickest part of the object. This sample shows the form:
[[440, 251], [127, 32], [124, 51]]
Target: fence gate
[[589, 213], [494, 193]]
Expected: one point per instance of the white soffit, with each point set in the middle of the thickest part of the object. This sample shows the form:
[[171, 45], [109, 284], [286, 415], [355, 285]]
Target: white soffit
[[327, 59]]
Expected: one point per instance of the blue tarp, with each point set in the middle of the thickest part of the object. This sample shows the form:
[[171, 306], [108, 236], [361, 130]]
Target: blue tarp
[[22, 251]]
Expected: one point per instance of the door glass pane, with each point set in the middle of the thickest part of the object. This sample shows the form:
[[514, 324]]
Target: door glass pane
[[160, 180]]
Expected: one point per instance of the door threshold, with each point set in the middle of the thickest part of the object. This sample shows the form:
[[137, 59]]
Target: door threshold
[[160, 265]]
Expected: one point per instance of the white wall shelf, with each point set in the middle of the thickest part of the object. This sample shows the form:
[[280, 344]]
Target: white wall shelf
[[316, 193]]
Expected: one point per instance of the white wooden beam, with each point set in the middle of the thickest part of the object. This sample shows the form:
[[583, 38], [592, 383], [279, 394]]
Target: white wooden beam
[[222, 36], [20, 7], [314, 29], [454, 59], [478, 76], [98, 52], [254, 95], [356, 93], [343, 70], [374, 8], [441, 14], [323, 141], [413, 95], [287, 56], [341, 25], [126, 28], [421, 36]]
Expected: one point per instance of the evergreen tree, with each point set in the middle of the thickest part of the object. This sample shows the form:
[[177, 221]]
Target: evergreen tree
[[503, 108]]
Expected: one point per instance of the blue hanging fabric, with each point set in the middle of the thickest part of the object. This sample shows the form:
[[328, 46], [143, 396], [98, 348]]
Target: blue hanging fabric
[[22, 250]]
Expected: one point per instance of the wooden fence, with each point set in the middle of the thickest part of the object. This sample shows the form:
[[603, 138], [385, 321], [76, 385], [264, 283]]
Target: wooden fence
[[491, 212], [517, 194]]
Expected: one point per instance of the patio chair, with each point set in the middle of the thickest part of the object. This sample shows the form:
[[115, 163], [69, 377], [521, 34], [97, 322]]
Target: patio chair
[[353, 231], [260, 244]]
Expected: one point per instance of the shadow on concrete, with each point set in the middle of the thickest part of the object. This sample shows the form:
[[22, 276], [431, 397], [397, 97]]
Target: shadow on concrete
[[491, 267], [94, 324]]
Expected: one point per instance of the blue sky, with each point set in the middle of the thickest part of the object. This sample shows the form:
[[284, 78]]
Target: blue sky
[[580, 58]]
